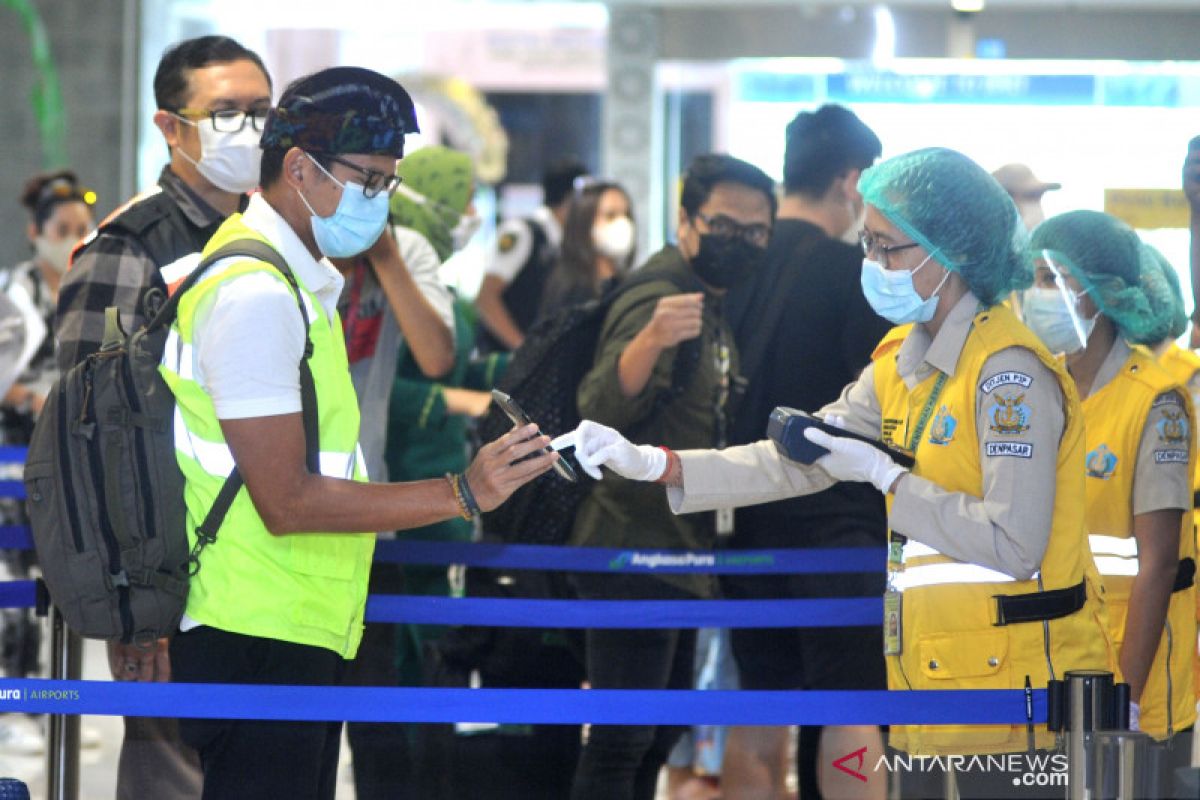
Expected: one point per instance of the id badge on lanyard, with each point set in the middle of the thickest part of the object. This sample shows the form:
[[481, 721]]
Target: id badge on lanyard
[[893, 614]]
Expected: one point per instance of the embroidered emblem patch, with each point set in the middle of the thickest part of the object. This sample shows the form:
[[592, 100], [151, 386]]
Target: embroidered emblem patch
[[1101, 463], [941, 431], [1010, 415], [1170, 457], [1173, 427]]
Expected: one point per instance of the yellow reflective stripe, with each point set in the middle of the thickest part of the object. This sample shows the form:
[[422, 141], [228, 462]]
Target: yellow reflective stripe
[[213, 457], [1123, 546], [940, 574], [1111, 565], [918, 550]]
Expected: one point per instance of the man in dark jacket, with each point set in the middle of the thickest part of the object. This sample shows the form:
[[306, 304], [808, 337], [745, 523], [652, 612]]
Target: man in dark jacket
[[724, 227], [805, 330]]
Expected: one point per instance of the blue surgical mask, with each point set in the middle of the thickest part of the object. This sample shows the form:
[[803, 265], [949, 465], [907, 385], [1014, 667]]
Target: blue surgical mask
[[892, 294], [356, 224], [1046, 313]]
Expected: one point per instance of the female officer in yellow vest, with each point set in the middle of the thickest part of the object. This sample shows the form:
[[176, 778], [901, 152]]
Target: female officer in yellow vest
[[1139, 443], [1138, 431], [991, 579], [1184, 366]]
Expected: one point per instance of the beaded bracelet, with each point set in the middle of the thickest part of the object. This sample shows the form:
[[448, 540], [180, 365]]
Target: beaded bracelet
[[463, 511], [468, 496]]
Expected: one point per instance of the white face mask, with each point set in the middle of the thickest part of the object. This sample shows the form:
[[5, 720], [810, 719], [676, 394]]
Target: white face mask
[[55, 252], [229, 161], [615, 239]]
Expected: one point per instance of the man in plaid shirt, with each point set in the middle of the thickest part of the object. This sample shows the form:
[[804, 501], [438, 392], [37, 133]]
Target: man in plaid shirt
[[213, 96]]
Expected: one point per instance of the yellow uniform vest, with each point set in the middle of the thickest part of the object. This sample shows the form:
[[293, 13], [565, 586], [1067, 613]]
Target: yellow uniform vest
[[1183, 364], [1115, 418], [307, 588], [949, 614]]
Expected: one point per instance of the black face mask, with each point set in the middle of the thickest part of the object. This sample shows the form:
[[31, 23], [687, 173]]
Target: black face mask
[[724, 261]]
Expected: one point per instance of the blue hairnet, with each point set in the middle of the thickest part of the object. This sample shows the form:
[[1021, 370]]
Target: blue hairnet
[[1163, 279], [958, 212], [1116, 269]]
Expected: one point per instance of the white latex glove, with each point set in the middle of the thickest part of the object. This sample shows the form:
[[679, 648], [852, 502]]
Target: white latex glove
[[1135, 717], [851, 460], [597, 445]]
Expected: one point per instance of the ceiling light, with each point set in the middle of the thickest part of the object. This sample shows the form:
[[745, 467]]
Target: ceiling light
[[967, 5]]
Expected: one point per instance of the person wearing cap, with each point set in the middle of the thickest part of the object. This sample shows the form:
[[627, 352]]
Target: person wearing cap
[[279, 596], [1026, 190], [991, 582], [1117, 301]]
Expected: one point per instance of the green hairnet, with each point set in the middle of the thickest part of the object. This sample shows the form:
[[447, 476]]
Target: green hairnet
[[1114, 267], [444, 179], [958, 212], [1162, 279]]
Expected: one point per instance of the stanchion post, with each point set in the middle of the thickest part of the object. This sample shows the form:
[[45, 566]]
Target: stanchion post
[[62, 756], [1090, 707]]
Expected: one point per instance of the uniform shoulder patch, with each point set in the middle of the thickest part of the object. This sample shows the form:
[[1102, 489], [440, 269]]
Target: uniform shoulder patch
[[1006, 379], [1173, 427], [1009, 449], [1009, 415]]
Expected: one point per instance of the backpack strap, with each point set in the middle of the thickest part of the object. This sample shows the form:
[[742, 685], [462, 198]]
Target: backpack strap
[[206, 532]]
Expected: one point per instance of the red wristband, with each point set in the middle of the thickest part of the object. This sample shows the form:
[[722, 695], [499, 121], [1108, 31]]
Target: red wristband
[[672, 460]]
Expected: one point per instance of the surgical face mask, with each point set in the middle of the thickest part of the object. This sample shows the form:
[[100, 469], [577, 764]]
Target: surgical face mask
[[1046, 313], [468, 225], [55, 252], [725, 261], [894, 297], [614, 239], [229, 161], [356, 224]]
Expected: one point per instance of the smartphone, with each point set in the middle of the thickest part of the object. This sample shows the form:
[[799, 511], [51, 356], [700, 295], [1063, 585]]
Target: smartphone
[[786, 428], [519, 417]]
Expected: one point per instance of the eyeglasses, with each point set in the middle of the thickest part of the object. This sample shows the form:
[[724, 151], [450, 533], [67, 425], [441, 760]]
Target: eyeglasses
[[374, 181], [871, 246], [227, 120], [720, 225]]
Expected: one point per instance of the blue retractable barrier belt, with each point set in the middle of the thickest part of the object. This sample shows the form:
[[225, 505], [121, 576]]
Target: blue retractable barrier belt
[[18, 594], [545, 706], [604, 559], [515, 613], [15, 537]]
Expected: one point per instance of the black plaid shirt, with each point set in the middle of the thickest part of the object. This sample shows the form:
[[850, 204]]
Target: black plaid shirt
[[114, 270]]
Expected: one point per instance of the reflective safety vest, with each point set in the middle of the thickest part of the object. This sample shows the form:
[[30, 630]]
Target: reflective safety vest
[[1115, 419], [955, 632], [1183, 365], [307, 588]]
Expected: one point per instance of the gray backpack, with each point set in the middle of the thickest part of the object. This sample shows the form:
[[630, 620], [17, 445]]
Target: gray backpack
[[105, 492]]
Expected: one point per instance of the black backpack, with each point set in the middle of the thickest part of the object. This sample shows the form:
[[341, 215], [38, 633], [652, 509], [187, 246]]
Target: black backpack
[[105, 492], [543, 377]]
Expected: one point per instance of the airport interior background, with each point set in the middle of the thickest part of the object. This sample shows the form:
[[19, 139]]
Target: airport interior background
[[1101, 96]]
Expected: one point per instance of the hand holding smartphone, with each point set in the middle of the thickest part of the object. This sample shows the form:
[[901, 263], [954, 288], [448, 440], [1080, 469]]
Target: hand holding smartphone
[[518, 416]]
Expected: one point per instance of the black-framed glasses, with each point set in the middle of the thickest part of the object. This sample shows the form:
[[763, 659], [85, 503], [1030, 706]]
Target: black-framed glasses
[[228, 120], [871, 246], [374, 181], [756, 234]]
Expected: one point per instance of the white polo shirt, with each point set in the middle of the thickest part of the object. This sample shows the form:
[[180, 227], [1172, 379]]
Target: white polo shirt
[[249, 336]]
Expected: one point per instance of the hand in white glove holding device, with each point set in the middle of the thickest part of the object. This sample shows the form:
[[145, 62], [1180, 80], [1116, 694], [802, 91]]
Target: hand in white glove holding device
[[597, 445], [852, 460]]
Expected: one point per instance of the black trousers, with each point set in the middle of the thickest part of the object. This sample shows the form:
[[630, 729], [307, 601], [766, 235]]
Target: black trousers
[[251, 758], [622, 762]]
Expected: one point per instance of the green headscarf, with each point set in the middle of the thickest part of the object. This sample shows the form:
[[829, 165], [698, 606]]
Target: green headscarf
[[442, 180]]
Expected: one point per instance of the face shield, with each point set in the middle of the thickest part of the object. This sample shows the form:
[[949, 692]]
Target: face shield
[[1050, 308]]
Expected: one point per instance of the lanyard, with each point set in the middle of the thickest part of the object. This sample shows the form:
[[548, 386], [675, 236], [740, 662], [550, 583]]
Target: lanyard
[[926, 412]]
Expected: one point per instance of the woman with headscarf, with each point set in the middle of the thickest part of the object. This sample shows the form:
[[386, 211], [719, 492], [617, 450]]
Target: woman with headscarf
[[1101, 298], [990, 581]]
